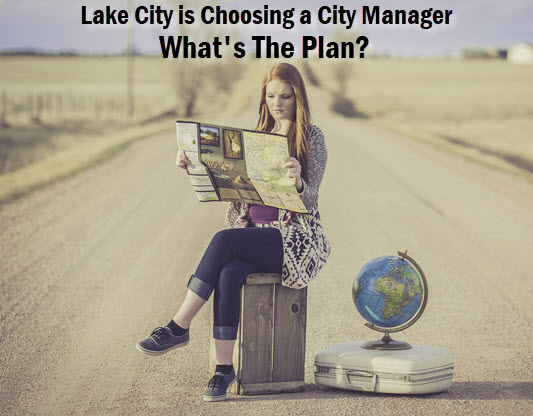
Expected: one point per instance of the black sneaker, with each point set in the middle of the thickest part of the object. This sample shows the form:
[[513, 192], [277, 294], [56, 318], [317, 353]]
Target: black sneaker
[[216, 389], [162, 340]]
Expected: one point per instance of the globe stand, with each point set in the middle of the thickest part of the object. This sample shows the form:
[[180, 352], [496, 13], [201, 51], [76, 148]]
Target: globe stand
[[386, 343]]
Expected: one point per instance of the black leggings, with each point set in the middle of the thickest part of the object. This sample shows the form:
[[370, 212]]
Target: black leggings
[[231, 256]]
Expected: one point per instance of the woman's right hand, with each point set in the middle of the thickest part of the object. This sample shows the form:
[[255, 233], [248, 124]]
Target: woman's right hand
[[181, 160]]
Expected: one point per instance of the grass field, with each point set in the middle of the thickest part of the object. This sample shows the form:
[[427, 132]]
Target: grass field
[[46, 101], [76, 87], [481, 109], [52, 106], [59, 114]]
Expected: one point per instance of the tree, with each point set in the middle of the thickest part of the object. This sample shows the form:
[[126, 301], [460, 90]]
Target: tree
[[344, 69], [192, 75]]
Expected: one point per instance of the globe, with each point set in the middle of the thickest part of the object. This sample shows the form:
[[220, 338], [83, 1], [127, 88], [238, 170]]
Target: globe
[[390, 293]]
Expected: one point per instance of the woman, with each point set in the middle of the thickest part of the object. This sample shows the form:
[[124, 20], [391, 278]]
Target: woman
[[259, 238]]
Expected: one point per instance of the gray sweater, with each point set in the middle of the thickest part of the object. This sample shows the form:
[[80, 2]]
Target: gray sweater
[[317, 157]]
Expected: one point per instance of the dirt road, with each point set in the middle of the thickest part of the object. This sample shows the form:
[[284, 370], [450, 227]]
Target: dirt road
[[92, 264]]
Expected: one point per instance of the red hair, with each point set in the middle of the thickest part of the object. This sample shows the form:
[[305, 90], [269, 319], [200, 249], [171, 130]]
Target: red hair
[[297, 131]]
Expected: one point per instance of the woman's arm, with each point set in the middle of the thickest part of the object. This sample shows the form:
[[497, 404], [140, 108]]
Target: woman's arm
[[317, 157]]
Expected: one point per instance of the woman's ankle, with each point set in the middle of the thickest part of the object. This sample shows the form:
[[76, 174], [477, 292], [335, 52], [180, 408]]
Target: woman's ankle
[[224, 368], [176, 329]]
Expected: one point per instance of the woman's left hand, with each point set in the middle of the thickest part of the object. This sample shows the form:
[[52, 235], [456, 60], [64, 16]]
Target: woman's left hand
[[294, 170]]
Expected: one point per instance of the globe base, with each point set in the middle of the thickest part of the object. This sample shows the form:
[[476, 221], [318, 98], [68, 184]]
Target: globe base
[[386, 343]]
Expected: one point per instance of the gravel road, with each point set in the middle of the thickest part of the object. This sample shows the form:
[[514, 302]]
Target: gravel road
[[92, 264]]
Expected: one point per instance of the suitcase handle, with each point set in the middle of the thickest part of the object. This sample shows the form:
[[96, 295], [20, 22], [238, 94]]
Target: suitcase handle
[[363, 374]]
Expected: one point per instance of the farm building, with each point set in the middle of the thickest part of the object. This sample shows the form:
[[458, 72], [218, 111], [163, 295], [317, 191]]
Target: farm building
[[472, 51], [521, 54]]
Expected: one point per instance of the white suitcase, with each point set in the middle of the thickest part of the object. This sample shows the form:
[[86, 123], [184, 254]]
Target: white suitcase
[[418, 370]]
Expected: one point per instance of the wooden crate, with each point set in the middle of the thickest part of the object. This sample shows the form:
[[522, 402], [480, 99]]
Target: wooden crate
[[269, 356]]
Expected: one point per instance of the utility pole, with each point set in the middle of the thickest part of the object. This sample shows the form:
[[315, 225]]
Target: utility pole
[[129, 61]]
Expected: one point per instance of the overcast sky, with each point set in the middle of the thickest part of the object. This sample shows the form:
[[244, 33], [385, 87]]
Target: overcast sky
[[55, 25]]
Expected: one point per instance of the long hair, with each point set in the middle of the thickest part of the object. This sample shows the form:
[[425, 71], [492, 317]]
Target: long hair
[[298, 129]]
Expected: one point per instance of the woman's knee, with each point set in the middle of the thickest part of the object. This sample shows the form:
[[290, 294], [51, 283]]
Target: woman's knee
[[226, 241], [222, 238], [230, 282], [233, 274]]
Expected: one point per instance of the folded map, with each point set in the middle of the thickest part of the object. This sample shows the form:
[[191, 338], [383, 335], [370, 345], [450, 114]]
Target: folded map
[[239, 165]]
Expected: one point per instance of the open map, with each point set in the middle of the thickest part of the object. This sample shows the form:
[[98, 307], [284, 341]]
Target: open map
[[232, 164]]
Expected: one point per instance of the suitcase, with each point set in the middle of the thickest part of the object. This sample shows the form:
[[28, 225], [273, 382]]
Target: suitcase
[[418, 370]]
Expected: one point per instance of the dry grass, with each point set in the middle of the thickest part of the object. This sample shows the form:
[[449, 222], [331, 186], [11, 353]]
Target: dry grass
[[71, 88], [74, 127], [479, 109], [53, 104], [482, 110], [72, 159]]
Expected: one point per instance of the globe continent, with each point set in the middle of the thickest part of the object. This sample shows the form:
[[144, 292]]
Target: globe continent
[[388, 291]]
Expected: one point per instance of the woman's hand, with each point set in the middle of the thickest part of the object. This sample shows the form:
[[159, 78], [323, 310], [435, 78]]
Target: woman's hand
[[294, 170], [181, 160]]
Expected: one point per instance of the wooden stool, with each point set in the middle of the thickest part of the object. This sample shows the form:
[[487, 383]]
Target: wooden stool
[[270, 352]]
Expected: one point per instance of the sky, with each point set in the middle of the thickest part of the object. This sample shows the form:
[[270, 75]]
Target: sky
[[55, 25]]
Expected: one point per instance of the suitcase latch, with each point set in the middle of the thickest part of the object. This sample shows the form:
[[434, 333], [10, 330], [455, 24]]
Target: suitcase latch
[[322, 369], [374, 377]]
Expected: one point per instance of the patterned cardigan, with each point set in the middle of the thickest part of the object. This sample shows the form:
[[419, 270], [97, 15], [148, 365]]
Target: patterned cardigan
[[305, 245]]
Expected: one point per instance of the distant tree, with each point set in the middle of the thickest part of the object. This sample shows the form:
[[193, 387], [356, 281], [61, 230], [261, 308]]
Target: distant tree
[[309, 74], [471, 51], [344, 69], [192, 75]]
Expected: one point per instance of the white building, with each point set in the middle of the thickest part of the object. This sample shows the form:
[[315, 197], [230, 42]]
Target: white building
[[521, 54]]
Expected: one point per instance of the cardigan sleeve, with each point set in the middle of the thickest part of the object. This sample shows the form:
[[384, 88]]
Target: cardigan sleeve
[[232, 214], [317, 156]]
